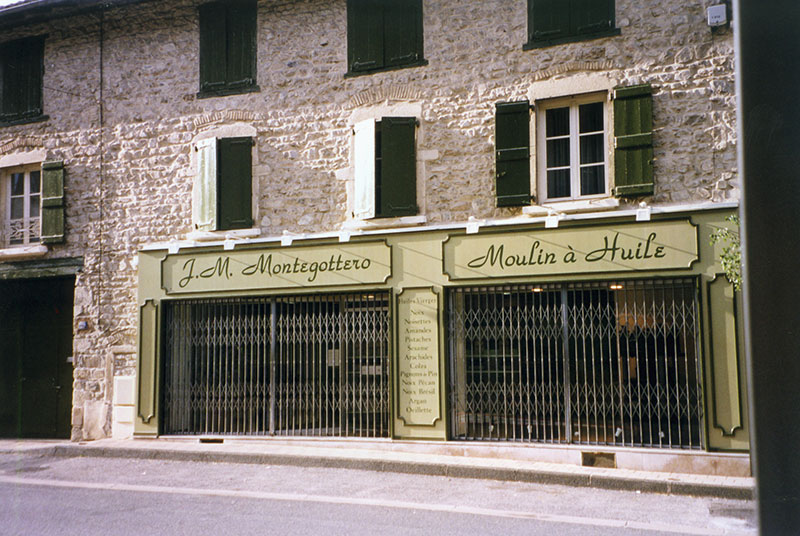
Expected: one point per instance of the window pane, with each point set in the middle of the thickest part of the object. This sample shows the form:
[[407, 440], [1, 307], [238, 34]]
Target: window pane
[[35, 181], [558, 153], [558, 183], [593, 180], [591, 117], [34, 206], [591, 148], [17, 208], [17, 183], [557, 122]]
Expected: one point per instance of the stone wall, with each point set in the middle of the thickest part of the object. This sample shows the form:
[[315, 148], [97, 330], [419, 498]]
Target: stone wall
[[127, 143]]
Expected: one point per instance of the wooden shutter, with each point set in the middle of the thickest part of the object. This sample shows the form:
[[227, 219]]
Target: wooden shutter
[[235, 183], [402, 25], [204, 193], [548, 19], [364, 164], [398, 176], [213, 47], [52, 202], [365, 34], [591, 16], [32, 77], [241, 44], [512, 153], [633, 140], [21, 73]]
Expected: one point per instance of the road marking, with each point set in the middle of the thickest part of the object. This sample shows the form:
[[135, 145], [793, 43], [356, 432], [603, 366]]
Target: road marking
[[385, 503]]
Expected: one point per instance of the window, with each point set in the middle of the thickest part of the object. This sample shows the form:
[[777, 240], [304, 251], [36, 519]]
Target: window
[[23, 207], [222, 197], [551, 22], [34, 207], [227, 47], [21, 80], [572, 149], [383, 34], [385, 168]]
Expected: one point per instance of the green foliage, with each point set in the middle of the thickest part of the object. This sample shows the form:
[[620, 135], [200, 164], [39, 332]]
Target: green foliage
[[731, 257]]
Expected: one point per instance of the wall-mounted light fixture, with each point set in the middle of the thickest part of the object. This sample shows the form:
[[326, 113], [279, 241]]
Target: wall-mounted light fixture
[[474, 225], [643, 212]]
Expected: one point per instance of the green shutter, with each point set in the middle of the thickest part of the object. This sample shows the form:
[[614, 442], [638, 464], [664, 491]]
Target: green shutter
[[213, 49], [591, 16], [241, 47], [397, 185], [548, 19], [234, 183], [512, 152], [633, 140], [32, 78], [365, 35], [52, 202], [403, 32], [21, 74]]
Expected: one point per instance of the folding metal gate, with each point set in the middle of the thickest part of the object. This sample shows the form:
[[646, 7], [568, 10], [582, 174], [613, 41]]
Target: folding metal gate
[[612, 363], [303, 365]]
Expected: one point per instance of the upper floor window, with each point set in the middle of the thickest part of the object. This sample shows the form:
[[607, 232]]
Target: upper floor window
[[228, 47], [571, 148], [383, 34], [21, 79], [385, 168], [577, 138], [223, 190], [551, 22], [33, 204]]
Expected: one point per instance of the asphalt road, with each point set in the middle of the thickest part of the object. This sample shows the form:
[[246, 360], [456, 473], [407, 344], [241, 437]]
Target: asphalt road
[[97, 496]]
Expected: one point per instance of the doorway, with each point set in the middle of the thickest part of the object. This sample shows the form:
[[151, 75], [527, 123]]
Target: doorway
[[35, 357]]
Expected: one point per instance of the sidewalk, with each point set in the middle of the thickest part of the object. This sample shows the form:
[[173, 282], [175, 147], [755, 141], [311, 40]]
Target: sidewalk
[[387, 457]]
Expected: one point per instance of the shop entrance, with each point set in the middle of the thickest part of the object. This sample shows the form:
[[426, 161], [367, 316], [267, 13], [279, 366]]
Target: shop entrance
[[605, 363], [35, 362], [301, 365]]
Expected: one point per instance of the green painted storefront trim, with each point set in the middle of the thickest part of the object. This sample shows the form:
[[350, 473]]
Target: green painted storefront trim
[[41, 268], [417, 259]]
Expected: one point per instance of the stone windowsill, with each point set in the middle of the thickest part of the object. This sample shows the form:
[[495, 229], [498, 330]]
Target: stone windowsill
[[571, 207], [22, 252], [234, 234], [383, 223]]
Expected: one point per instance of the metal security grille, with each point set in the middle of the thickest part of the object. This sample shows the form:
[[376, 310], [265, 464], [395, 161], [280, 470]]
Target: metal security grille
[[609, 363], [305, 365]]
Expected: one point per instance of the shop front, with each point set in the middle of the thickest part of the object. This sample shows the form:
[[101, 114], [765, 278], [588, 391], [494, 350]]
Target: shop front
[[606, 332]]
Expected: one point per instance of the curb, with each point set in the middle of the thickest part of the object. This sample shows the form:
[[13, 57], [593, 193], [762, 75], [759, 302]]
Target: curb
[[649, 483]]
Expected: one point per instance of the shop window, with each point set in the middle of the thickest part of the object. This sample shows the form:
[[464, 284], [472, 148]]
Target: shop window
[[573, 158], [34, 204], [21, 79], [227, 47], [222, 198], [551, 22], [383, 35], [385, 168]]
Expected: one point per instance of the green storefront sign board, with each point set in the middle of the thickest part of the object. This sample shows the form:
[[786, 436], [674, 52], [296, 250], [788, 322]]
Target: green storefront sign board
[[276, 268], [614, 248]]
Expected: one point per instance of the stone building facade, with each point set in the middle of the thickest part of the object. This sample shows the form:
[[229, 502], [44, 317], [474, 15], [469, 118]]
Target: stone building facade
[[125, 112]]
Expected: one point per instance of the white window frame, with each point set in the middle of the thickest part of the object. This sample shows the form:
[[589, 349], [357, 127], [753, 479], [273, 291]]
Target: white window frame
[[572, 102], [28, 222]]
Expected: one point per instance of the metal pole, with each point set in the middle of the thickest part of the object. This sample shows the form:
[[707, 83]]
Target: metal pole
[[768, 92]]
